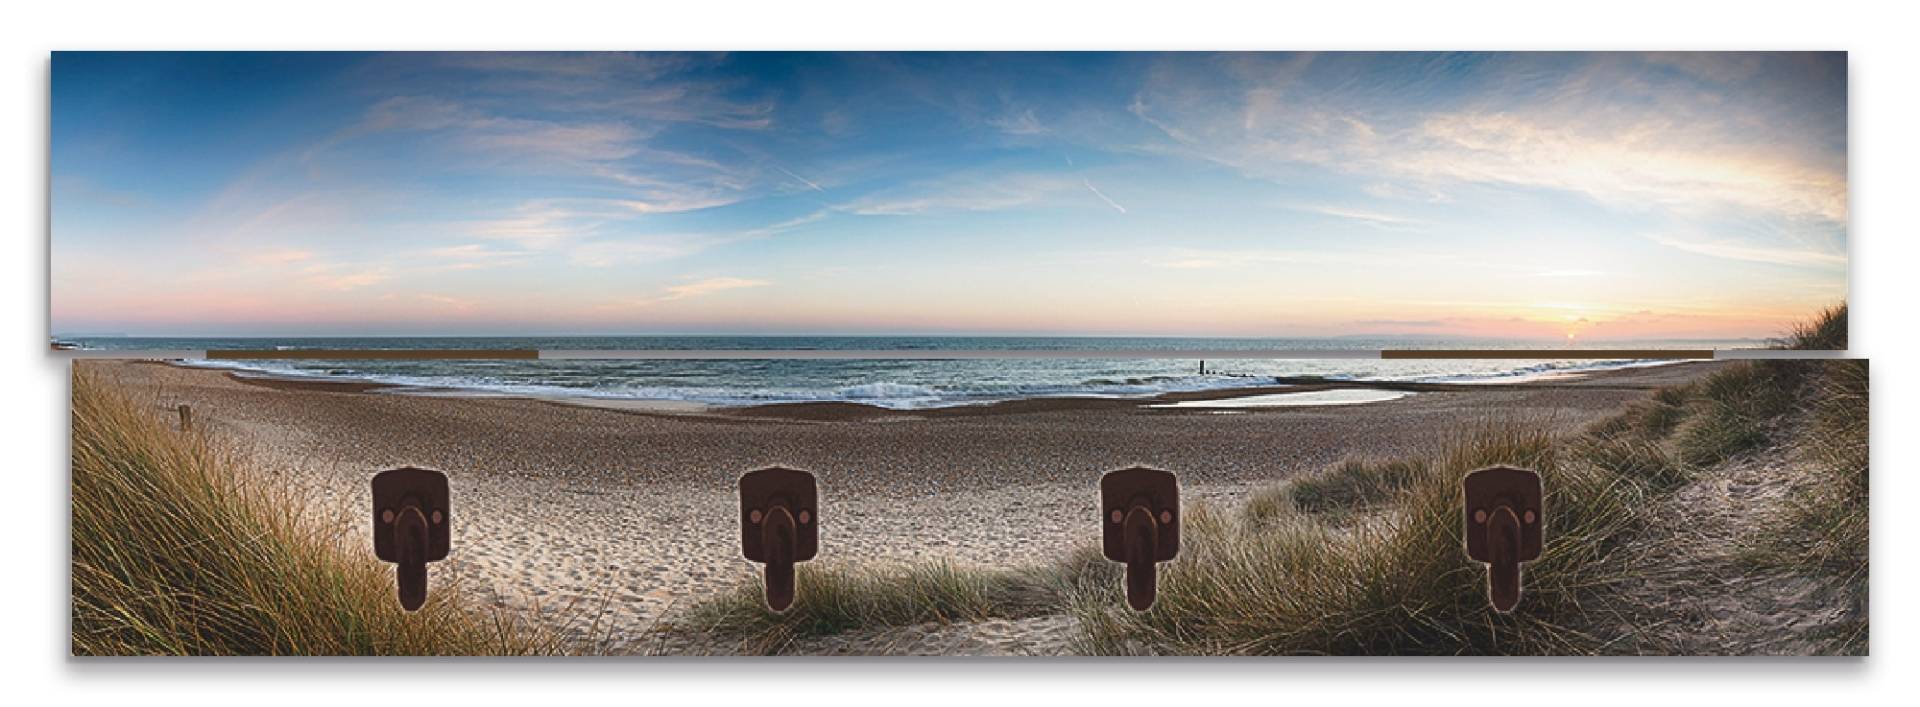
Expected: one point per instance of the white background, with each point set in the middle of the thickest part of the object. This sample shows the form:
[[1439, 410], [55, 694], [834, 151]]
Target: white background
[[1885, 68]]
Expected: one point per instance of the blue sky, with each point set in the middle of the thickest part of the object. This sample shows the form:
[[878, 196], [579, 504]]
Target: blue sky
[[1548, 195]]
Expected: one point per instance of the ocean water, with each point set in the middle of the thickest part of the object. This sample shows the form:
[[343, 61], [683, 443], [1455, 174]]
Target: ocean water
[[900, 384]]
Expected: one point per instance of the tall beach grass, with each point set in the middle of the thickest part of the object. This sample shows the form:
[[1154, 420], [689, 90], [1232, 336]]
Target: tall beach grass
[[178, 549]]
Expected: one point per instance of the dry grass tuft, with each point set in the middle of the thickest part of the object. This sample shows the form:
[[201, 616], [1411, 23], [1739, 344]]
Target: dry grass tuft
[[834, 598], [176, 552]]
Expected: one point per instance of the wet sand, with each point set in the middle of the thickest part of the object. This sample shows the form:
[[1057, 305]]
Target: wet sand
[[626, 512]]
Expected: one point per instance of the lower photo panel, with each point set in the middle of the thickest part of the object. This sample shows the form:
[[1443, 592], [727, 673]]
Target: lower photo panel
[[970, 508]]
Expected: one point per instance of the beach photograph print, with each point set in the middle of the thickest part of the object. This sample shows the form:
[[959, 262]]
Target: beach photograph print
[[1310, 507], [959, 354], [1602, 200]]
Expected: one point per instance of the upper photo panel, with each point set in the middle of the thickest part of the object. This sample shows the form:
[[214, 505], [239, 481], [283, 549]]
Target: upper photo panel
[[1303, 201]]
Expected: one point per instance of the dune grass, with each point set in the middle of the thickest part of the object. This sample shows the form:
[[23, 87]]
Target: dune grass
[[1397, 584], [1833, 512], [1824, 526], [836, 598], [176, 552], [1353, 485], [1826, 331], [1731, 409]]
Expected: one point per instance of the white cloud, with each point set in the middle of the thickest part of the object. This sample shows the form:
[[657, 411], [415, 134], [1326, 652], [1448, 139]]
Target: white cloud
[[543, 224], [523, 141], [1021, 123], [1372, 217], [453, 303], [696, 288], [1200, 259], [471, 256], [654, 87], [1635, 165], [280, 257], [403, 113], [341, 279], [1739, 250], [810, 184], [638, 249], [1675, 150], [588, 142], [652, 195], [673, 203], [968, 193], [710, 286], [783, 226], [1103, 197]]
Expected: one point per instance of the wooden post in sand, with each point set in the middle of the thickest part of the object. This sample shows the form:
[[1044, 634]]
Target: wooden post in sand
[[186, 418]]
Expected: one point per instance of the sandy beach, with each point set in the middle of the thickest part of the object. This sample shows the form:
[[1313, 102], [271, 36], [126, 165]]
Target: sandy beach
[[617, 514]]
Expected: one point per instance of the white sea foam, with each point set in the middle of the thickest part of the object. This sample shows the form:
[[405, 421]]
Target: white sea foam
[[1338, 396]]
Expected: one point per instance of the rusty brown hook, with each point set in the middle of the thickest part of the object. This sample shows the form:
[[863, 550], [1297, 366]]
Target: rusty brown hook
[[779, 527], [1503, 528], [1141, 527], [411, 527]]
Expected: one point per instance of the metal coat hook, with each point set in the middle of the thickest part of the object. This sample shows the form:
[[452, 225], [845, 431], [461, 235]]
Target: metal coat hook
[[779, 526], [1504, 520], [1140, 526], [412, 524]]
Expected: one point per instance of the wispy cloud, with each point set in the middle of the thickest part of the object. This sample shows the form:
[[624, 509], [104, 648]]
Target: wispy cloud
[[341, 278], [808, 183], [710, 286], [280, 257], [472, 256], [453, 303], [1679, 149], [1372, 217], [1200, 259], [1103, 197], [547, 223], [632, 248], [655, 87], [960, 194], [1018, 123], [1774, 255], [647, 248], [693, 289], [590, 144], [783, 226]]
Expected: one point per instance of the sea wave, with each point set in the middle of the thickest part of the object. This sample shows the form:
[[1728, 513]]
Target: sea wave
[[1544, 370], [504, 379]]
